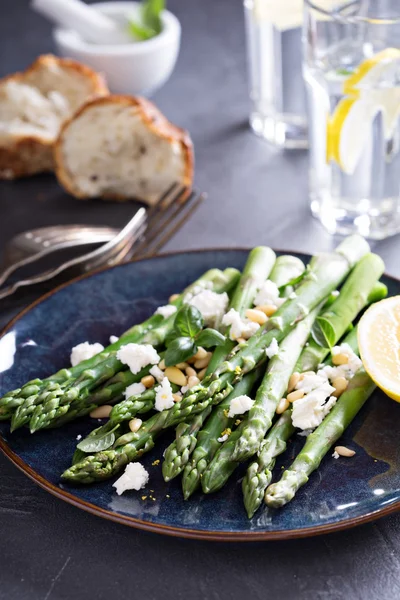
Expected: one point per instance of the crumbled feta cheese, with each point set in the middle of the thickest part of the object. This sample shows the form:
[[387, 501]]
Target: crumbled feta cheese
[[113, 339], [138, 356], [84, 351], [78, 437], [335, 455], [164, 397], [166, 311], [268, 294], [134, 477], [240, 405], [311, 381], [335, 293], [305, 432], [272, 349], [134, 390], [239, 328], [211, 305], [292, 296], [308, 412], [157, 373], [223, 438], [348, 370]]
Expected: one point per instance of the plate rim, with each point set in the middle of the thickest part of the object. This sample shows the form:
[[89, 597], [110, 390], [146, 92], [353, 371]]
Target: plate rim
[[180, 532]]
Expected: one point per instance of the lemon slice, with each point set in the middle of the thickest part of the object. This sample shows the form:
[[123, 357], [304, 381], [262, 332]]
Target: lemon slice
[[348, 131], [372, 71], [379, 344]]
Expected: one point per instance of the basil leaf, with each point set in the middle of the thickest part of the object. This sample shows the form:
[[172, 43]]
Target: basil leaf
[[210, 337], [323, 332], [98, 442], [151, 14], [179, 350], [295, 281], [188, 321], [140, 32], [77, 456], [171, 337]]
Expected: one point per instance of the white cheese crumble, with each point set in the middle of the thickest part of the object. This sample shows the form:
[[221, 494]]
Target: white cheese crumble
[[240, 405], [311, 381], [84, 351], [348, 370], [157, 373], [135, 389], [273, 349], [166, 311], [138, 356], [78, 437], [211, 305], [308, 412], [239, 328], [113, 339], [335, 454], [292, 296], [335, 293], [268, 294], [164, 398], [134, 477], [223, 438]]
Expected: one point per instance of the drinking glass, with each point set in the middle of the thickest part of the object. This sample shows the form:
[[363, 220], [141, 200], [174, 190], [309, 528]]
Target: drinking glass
[[277, 95], [352, 72]]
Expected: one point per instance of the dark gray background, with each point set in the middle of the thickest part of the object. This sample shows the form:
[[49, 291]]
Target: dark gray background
[[49, 549]]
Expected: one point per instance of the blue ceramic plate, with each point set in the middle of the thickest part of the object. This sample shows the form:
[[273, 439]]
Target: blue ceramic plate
[[341, 494]]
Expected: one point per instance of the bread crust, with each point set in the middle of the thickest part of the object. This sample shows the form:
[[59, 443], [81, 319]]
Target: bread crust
[[25, 155], [155, 121]]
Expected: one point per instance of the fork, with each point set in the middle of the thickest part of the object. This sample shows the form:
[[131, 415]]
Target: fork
[[145, 234]]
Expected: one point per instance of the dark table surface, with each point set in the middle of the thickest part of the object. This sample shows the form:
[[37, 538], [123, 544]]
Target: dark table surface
[[49, 549]]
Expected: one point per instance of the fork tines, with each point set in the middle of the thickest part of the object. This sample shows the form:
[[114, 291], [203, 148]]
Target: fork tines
[[165, 218]]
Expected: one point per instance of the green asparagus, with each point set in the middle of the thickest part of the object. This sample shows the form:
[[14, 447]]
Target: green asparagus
[[321, 440]]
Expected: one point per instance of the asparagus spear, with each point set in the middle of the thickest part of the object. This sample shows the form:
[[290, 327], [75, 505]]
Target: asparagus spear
[[327, 272], [330, 326], [47, 407], [272, 388], [259, 474], [12, 400], [320, 441], [286, 269]]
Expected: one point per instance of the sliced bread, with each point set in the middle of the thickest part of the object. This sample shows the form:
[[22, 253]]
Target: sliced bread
[[120, 148], [33, 106]]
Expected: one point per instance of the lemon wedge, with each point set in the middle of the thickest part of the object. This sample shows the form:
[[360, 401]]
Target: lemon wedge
[[372, 71], [379, 344]]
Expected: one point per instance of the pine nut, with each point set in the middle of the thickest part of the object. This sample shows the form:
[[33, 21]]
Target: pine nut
[[340, 384], [282, 406], [340, 359], [293, 381], [190, 372], [176, 376], [135, 424], [148, 381], [343, 451], [192, 381], [256, 316], [201, 374], [241, 341], [173, 298], [203, 362], [267, 309], [182, 366], [201, 353], [161, 365], [296, 395], [177, 397], [101, 412]]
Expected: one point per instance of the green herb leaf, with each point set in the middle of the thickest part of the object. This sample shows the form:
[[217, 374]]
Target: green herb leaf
[[179, 350], [210, 337], [98, 442], [293, 282], [151, 14], [140, 32], [188, 321], [323, 332]]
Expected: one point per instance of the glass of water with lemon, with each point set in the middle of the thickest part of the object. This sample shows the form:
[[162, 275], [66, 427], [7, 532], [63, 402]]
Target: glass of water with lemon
[[352, 73]]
